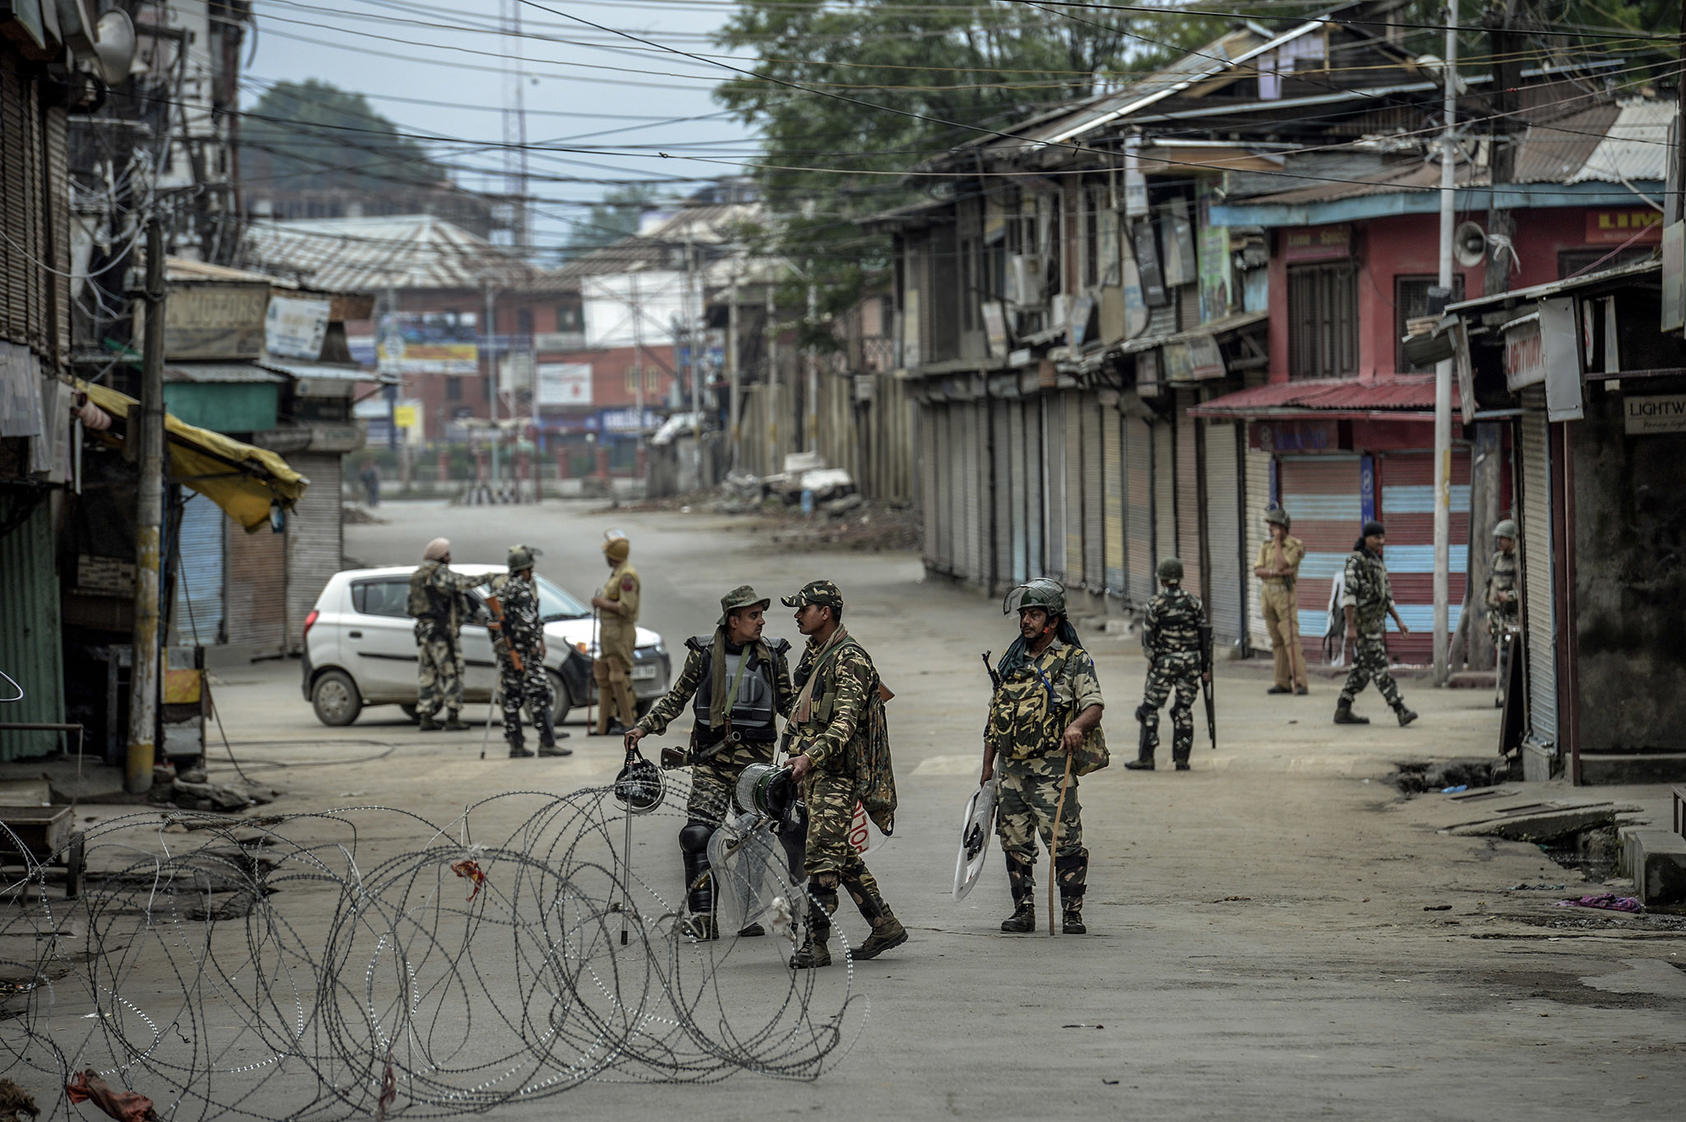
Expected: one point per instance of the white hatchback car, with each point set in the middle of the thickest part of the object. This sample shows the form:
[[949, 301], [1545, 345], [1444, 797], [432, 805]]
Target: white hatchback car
[[360, 648]]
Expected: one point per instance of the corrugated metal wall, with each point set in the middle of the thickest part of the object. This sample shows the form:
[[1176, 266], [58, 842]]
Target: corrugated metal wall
[[196, 616], [929, 497], [31, 647], [1054, 480], [1094, 476], [1258, 499], [1539, 568], [1189, 528], [1138, 513], [1112, 469], [1320, 494], [1164, 494], [256, 603], [1075, 557], [1223, 533], [1021, 493], [1001, 491], [313, 539], [1407, 508], [1036, 489]]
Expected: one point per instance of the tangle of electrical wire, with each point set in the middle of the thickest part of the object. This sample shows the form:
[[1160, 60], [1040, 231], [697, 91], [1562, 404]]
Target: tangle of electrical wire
[[366, 961]]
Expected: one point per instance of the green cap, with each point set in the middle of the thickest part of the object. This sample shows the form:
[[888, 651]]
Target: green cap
[[521, 557], [1039, 592], [1276, 516], [1171, 570], [1506, 529], [743, 596], [821, 592]]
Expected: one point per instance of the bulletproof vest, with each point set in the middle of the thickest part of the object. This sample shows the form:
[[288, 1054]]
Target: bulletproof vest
[[1026, 719], [755, 706], [426, 601]]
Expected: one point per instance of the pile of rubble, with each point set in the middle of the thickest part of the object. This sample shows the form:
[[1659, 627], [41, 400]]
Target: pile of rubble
[[805, 482]]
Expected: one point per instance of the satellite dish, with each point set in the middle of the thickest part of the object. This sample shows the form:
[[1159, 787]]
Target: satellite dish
[[1469, 244], [115, 47]]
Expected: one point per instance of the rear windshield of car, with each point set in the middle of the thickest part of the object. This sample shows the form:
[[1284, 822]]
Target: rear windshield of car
[[555, 604]]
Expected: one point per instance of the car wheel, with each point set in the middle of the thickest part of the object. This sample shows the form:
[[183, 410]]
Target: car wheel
[[335, 698], [410, 709], [564, 703]]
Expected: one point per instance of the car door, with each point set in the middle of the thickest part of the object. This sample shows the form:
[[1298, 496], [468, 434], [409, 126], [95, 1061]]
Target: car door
[[480, 664], [380, 639]]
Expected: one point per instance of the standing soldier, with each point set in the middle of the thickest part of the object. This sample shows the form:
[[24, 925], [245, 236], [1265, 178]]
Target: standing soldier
[[437, 601], [1504, 609], [1278, 570], [518, 637], [738, 685], [1048, 704], [1171, 641], [617, 639], [1367, 602], [837, 708]]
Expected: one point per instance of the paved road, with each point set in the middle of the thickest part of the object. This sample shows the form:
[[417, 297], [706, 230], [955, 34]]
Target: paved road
[[1261, 941]]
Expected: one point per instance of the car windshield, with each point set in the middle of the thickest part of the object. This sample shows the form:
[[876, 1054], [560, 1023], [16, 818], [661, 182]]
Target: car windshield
[[554, 604]]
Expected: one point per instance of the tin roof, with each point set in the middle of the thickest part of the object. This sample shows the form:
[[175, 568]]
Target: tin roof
[[1555, 149], [1635, 146], [1404, 394], [219, 373], [399, 251]]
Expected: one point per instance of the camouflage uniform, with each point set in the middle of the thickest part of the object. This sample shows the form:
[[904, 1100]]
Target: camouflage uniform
[[617, 640], [522, 632], [1504, 609], [1369, 593], [438, 601], [1027, 721], [1171, 641]]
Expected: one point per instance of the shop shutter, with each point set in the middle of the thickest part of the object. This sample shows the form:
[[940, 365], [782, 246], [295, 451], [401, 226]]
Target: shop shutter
[[255, 612], [1224, 542], [1138, 512], [1094, 530], [949, 504], [1321, 496], [1407, 509], [1538, 569], [196, 616], [975, 423], [1164, 496], [1189, 514], [313, 540], [1001, 491], [1112, 497], [929, 497], [1257, 471], [1020, 519], [1053, 475], [31, 641], [1076, 481], [1036, 490]]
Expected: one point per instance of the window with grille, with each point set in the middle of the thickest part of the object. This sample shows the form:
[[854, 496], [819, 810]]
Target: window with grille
[[1323, 320], [1410, 300]]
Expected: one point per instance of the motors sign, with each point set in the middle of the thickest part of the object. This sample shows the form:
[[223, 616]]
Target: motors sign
[[1643, 416]]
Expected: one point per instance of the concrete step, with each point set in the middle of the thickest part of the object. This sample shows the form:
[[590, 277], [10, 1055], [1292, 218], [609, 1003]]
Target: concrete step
[[1646, 767], [1656, 860]]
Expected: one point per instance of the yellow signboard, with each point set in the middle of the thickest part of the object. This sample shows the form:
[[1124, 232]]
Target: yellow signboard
[[406, 416]]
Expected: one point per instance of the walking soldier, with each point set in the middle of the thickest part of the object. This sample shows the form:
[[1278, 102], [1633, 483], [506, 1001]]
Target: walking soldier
[[1045, 713], [738, 685], [438, 601], [1171, 639], [518, 637], [1366, 602], [617, 639]]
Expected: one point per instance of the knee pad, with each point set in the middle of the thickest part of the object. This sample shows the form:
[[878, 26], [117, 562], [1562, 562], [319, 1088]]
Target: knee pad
[[1146, 715], [693, 837]]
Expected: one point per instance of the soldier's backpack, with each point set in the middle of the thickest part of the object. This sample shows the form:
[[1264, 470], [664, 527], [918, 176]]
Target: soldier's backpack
[[420, 604], [876, 775]]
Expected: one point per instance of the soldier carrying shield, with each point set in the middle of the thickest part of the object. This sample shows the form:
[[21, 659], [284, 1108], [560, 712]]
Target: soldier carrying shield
[[1043, 730]]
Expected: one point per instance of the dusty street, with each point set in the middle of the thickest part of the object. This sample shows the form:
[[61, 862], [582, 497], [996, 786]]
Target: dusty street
[[1276, 934]]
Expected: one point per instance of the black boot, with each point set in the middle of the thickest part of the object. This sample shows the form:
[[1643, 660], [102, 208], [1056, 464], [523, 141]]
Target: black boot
[[1071, 923], [1406, 716], [517, 747], [815, 951], [1147, 739], [699, 881], [1023, 919], [428, 724], [454, 723], [547, 736], [1345, 716]]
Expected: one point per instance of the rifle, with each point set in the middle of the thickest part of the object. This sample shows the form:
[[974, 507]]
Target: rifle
[[500, 641], [994, 678], [1205, 630]]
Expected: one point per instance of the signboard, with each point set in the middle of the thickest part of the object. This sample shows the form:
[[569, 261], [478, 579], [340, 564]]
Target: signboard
[[212, 321], [1317, 243], [295, 328], [1177, 236], [1674, 277], [1214, 266], [559, 341], [406, 416], [428, 343], [995, 327], [1147, 264], [1294, 436], [564, 383], [1524, 353], [1196, 360], [1640, 225], [1135, 182], [1560, 337], [515, 373], [1642, 416]]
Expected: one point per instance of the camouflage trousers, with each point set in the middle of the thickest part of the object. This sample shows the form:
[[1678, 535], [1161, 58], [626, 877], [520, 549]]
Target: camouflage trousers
[[714, 779], [1030, 795], [1181, 674], [520, 689], [438, 670], [1369, 664], [829, 859]]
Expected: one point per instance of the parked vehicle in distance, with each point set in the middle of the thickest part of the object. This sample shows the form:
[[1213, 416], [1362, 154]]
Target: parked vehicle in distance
[[360, 647]]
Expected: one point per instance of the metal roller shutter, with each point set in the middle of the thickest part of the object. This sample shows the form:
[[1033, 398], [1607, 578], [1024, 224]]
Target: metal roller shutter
[[31, 640], [1075, 479], [1257, 470], [929, 497], [1036, 492], [1538, 570], [1094, 474], [948, 433], [1138, 512], [1407, 508], [1112, 471], [196, 615], [1053, 479], [1189, 529], [959, 488], [313, 540], [1019, 520], [975, 421], [1223, 533], [1001, 491], [1164, 495], [1320, 494], [255, 608]]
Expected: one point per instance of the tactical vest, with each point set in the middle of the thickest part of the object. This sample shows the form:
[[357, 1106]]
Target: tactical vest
[[425, 601], [1027, 719], [756, 705]]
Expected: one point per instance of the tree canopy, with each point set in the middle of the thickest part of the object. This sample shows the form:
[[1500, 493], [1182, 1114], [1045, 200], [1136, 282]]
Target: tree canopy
[[314, 135]]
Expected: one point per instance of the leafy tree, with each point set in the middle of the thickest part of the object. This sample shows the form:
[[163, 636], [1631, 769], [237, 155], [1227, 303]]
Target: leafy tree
[[313, 135]]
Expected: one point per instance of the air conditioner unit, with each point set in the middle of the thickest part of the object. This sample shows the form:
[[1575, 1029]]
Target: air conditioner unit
[[1024, 280]]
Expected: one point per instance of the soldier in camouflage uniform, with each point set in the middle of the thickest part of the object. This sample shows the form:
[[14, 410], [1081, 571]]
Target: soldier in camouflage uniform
[[438, 603], [1049, 700], [1504, 603], [1367, 601], [518, 637], [1171, 639], [738, 685], [835, 679]]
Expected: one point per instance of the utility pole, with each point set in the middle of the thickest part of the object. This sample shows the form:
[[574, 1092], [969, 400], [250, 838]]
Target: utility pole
[[813, 395], [1443, 369], [693, 332], [146, 435], [638, 356], [773, 386], [732, 377], [492, 372]]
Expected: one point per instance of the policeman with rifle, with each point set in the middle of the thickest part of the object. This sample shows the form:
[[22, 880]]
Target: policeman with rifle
[[518, 637], [1179, 661]]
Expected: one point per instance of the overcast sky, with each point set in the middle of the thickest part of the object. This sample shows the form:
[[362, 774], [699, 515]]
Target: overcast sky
[[596, 90]]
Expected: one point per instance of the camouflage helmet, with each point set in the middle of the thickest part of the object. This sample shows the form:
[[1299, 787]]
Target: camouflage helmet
[[1276, 516], [1507, 529], [521, 557], [1171, 570], [1039, 592]]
